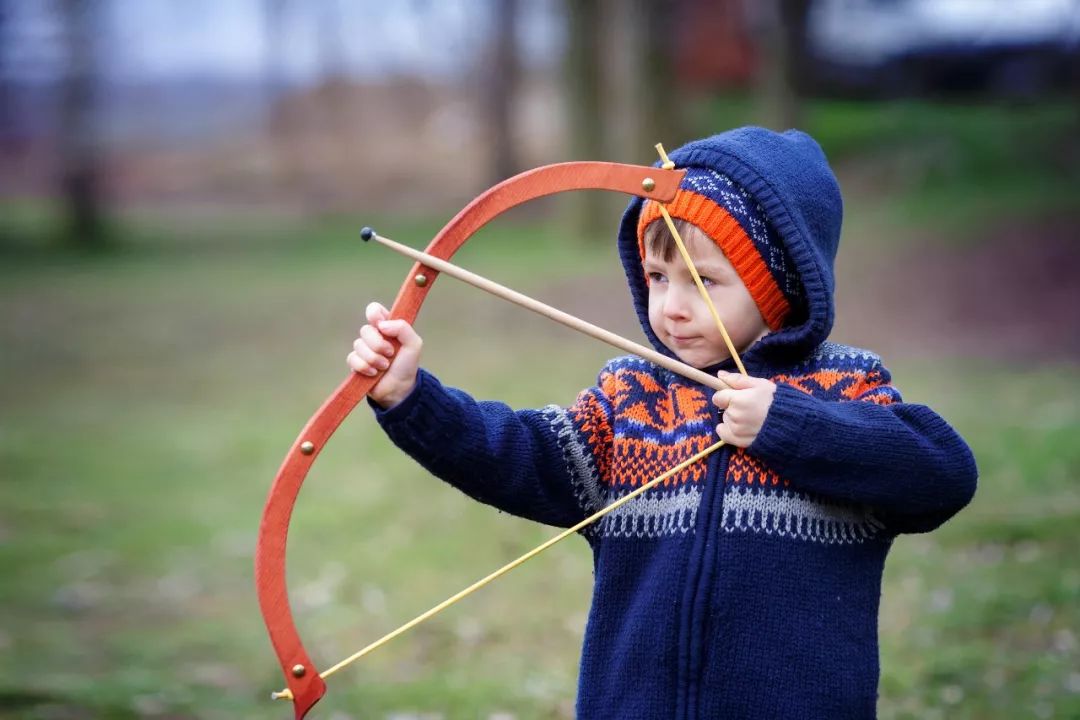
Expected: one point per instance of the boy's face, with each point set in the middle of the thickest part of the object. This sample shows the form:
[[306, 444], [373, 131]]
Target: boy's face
[[678, 314]]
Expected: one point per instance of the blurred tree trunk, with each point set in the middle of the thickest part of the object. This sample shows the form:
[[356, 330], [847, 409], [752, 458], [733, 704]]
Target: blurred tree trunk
[[276, 120], [9, 144], [273, 12], [79, 149], [501, 90], [7, 96], [585, 104], [783, 60], [658, 105], [335, 150]]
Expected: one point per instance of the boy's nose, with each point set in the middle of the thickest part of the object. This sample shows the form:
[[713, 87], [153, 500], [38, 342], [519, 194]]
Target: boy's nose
[[677, 302]]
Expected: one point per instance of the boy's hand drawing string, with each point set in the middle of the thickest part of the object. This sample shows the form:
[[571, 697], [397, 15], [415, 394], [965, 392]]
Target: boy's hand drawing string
[[305, 686]]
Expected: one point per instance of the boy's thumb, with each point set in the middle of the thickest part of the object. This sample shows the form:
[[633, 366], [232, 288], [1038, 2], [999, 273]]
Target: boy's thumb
[[400, 330]]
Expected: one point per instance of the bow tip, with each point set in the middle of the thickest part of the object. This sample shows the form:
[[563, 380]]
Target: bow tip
[[366, 234]]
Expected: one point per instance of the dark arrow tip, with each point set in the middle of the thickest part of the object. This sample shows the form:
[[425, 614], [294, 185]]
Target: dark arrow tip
[[366, 234]]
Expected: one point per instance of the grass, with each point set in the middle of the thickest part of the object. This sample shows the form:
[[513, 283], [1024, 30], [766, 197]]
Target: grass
[[147, 404], [149, 394]]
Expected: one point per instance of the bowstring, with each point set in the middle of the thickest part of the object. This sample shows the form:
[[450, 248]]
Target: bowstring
[[669, 165]]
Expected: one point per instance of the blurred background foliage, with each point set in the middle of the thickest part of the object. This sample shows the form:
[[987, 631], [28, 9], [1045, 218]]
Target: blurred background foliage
[[181, 188]]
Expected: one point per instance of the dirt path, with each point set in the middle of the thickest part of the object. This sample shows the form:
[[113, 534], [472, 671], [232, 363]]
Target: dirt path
[[1014, 295]]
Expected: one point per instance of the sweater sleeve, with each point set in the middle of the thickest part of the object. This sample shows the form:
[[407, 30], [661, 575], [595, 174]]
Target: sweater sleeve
[[902, 459], [537, 464]]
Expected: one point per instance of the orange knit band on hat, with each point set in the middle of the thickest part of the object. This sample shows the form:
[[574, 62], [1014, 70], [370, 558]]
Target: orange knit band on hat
[[736, 245]]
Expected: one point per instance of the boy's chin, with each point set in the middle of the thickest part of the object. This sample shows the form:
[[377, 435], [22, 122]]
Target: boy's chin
[[699, 359]]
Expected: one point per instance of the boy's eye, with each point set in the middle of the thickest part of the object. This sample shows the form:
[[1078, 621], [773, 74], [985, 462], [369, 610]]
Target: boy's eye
[[707, 281], [657, 277]]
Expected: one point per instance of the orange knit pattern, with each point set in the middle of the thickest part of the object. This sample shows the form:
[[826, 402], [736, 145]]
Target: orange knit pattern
[[745, 469], [844, 384], [653, 412], [726, 232], [660, 425]]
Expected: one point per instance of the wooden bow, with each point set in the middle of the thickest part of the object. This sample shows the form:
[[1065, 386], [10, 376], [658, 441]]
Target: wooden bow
[[305, 685]]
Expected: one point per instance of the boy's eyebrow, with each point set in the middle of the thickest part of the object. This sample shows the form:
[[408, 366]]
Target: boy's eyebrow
[[704, 268], [709, 268]]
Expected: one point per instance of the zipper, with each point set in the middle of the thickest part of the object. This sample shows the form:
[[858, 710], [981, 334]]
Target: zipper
[[699, 577]]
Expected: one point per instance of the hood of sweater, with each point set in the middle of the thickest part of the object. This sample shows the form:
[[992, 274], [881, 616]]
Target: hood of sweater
[[788, 176]]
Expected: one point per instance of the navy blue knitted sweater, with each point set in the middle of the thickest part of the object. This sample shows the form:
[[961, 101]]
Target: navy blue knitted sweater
[[747, 586]]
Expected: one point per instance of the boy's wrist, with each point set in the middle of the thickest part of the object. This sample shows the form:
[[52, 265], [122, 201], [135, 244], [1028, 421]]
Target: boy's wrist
[[781, 436], [390, 397], [404, 408]]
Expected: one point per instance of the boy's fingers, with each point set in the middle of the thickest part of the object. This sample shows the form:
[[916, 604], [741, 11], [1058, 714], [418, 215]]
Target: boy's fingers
[[358, 365], [402, 331], [376, 341], [375, 312], [736, 381], [722, 399], [725, 433], [728, 434], [369, 356]]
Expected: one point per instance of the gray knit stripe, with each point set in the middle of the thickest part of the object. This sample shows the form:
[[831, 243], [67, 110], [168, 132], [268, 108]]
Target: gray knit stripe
[[654, 514], [829, 350], [579, 460], [663, 376], [791, 514]]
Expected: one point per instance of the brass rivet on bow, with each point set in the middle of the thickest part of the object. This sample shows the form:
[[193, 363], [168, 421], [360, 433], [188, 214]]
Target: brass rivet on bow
[[420, 280], [648, 184], [298, 670], [307, 447]]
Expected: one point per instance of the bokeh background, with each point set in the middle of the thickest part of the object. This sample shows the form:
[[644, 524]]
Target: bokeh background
[[181, 188]]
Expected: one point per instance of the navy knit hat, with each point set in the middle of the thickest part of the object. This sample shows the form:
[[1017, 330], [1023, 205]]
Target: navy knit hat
[[737, 224]]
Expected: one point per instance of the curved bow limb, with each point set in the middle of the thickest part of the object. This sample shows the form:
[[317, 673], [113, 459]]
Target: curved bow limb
[[304, 684]]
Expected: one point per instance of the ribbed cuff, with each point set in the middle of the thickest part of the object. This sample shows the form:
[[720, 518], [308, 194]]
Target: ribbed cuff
[[425, 422], [401, 411], [780, 440]]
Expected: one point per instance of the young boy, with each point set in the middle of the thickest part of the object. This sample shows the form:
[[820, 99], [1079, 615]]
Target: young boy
[[747, 586]]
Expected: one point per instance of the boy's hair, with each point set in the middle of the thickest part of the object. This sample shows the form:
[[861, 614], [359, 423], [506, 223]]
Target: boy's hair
[[658, 239]]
